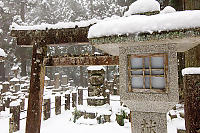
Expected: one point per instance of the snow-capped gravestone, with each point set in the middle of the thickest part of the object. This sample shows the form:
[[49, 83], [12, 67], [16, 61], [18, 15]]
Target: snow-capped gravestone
[[2, 55], [96, 76]]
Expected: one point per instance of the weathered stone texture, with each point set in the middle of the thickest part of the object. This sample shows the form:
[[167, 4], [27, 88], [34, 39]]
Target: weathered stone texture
[[192, 103], [148, 122]]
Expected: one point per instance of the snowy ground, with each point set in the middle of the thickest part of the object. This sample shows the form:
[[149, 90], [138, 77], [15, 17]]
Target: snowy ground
[[63, 123]]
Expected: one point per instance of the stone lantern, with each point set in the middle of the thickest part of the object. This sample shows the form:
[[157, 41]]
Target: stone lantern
[[147, 47]]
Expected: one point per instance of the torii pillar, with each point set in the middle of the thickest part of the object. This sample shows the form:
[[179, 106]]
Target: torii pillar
[[33, 121]]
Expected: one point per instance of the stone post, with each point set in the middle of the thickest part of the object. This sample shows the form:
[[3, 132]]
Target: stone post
[[107, 94], [22, 104], [57, 80], [67, 101], [57, 104], [47, 108], [6, 87], [14, 121], [74, 99], [7, 102], [192, 103], [80, 96]]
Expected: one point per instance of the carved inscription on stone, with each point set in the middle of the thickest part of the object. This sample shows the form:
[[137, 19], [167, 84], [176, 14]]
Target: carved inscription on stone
[[148, 127]]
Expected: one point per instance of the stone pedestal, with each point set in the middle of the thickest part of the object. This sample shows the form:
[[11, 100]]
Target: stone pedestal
[[143, 122]]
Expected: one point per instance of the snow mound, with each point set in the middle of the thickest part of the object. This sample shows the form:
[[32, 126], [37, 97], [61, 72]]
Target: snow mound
[[47, 78], [14, 80], [2, 53], [142, 6], [168, 9], [191, 70], [96, 68], [146, 24]]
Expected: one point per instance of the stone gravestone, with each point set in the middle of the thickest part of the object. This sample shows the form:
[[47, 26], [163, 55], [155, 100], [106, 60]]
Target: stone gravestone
[[96, 76]]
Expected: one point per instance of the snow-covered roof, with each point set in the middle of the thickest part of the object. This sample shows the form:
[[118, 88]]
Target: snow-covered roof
[[142, 6], [191, 70], [96, 68], [14, 79], [60, 25], [2, 53], [146, 24]]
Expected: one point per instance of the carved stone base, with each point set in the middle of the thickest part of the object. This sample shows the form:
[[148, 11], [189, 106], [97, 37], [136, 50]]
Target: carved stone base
[[143, 122]]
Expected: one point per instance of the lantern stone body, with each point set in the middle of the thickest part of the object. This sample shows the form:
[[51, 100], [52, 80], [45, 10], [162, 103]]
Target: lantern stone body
[[149, 108]]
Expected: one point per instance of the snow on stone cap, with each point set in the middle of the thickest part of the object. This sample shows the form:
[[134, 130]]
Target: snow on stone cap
[[14, 68], [60, 25], [14, 80], [146, 24], [191, 70], [142, 6], [14, 103], [5, 83], [47, 78], [96, 68], [168, 9], [2, 53]]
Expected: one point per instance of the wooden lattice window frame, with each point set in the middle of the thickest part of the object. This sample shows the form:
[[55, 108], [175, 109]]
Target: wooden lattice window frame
[[145, 89]]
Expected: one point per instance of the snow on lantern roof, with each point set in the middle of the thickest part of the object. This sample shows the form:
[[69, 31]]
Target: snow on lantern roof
[[96, 68], [136, 24], [143, 6], [2, 53], [60, 25]]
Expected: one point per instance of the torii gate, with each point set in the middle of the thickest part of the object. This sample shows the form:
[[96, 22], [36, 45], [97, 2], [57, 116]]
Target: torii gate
[[40, 40]]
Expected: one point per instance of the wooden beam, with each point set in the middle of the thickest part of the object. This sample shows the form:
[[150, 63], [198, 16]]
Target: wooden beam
[[82, 61], [33, 121], [52, 36]]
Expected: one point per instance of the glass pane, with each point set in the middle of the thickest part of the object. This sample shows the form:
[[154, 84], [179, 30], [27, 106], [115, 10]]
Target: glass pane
[[137, 82], [158, 82], [147, 72], [157, 72], [136, 63], [157, 62], [147, 82], [146, 62], [136, 73]]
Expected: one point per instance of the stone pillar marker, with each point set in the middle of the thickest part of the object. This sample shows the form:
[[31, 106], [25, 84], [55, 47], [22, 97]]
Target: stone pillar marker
[[192, 100], [67, 101], [34, 112], [80, 95], [14, 121], [46, 108], [74, 99], [57, 80], [57, 104]]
